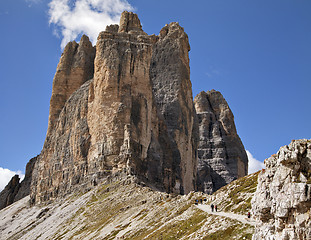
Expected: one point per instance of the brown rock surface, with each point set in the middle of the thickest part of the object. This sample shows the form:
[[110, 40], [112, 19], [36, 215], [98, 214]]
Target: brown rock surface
[[74, 68], [123, 121], [221, 154]]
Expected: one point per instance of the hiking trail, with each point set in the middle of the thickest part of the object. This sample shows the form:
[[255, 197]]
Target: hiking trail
[[241, 218]]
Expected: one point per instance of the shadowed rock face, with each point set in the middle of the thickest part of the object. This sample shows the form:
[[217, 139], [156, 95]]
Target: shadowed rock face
[[16, 190], [9, 192], [221, 154], [282, 200], [134, 116], [170, 77]]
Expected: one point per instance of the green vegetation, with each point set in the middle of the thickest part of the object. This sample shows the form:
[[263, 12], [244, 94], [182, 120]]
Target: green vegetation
[[237, 192], [180, 228], [231, 232], [176, 216]]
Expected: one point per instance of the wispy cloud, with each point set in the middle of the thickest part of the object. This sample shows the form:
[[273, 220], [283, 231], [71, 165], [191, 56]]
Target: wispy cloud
[[6, 175], [33, 1], [75, 17], [212, 72], [254, 165]]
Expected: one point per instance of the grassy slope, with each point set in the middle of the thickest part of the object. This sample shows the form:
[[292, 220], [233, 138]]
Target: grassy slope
[[126, 210], [236, 196]]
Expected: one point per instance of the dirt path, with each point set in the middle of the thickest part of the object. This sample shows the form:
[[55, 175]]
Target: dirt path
[[241, 218]]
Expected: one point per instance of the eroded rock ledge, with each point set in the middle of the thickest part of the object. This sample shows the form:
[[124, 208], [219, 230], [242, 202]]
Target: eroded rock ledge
[[282, 201]]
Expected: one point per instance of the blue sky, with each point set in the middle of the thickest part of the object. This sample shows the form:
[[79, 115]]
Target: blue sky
[[256, 53]]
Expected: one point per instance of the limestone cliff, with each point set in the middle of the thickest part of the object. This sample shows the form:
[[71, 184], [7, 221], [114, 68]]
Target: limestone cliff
[[74, 68], [134, 116], [221, 154], [282, 200]]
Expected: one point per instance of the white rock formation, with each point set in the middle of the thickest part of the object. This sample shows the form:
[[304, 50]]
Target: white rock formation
[[283, 197]]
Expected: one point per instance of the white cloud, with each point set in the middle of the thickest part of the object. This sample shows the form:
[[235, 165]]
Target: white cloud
[[254, 165], [6, 175], [75, 17]]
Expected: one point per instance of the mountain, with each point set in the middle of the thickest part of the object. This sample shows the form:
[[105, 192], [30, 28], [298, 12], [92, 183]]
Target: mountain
[[125, 107], [221, 154], [121, 208]]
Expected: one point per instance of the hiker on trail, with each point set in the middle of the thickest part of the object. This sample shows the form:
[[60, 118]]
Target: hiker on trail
[[215, 208], [249, 215], [212, 207]]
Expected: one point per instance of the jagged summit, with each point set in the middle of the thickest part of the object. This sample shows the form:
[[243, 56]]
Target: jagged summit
[[221, 154], [75, 67], [130, 23], [134, 116], [124, 108]]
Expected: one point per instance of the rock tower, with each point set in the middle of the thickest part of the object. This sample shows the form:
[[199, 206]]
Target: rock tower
[[124, 108], [221, 154]]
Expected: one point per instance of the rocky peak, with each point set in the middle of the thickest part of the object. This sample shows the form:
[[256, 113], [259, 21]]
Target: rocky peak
[[130, 23], [282, 200], [135, 117], [9, 192], [76, 66], [221, 154], [125, 108]]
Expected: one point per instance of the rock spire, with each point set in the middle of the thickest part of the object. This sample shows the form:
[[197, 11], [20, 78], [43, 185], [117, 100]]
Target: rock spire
[[221, 154], [125, 107], [128, 110]]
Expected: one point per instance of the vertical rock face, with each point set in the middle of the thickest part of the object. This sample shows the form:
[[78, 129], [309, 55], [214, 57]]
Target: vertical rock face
[[282, 200], [25, 184], [221, 154], [75, 67], [62, 164], [134, 116], [170, 77]]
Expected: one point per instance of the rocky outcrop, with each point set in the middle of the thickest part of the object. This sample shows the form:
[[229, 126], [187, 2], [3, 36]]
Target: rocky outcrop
[[282, 200], [9, 192], [25, 184], [134, 116], [75, 67], [221, 154], [16, 190]]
